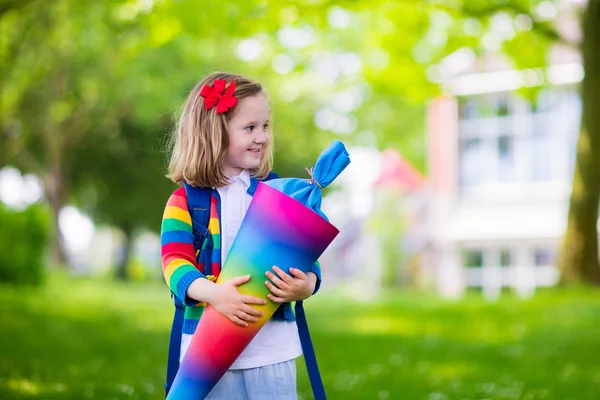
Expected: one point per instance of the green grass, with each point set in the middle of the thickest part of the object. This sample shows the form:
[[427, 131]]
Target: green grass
[[84, 339]]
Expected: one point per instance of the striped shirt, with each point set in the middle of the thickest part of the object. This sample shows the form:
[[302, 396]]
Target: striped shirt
[[179, 257]]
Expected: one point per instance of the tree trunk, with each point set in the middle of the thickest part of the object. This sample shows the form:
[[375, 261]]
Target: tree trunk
[[55, 193], [579, 255], [121, 270]]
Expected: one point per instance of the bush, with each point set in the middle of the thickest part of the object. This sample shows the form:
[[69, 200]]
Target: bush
[[23, 238]]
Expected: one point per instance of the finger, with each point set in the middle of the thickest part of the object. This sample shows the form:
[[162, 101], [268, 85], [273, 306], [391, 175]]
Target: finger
[[253, 300], [252, 311], [274, 289], [278, 282], [282, 274], [298, 273], [238, 321], [238, 280], [245, 317], [276, 299]]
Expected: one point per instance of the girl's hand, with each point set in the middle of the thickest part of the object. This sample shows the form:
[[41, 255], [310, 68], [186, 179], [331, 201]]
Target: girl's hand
[[231, 303], [286, 288]]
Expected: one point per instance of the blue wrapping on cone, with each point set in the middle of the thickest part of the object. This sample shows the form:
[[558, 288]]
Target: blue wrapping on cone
[[332, 161]]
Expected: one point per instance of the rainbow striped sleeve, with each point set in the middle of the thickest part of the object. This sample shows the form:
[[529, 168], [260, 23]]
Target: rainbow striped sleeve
[[177, 247]]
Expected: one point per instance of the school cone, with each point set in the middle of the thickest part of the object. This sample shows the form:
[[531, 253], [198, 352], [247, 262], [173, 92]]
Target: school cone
[[277, 230]]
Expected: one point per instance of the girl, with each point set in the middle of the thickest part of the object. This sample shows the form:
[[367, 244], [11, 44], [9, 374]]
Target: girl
[[223, 141]]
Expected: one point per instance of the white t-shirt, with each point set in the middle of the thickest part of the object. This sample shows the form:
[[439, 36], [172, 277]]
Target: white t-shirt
[[277, 341]]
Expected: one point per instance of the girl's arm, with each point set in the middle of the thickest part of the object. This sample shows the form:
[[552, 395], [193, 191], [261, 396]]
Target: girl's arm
[[226, 298], [316, 270], [177, 248]]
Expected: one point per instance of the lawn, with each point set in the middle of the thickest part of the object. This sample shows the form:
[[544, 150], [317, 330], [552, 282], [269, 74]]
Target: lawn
[[84, 339]]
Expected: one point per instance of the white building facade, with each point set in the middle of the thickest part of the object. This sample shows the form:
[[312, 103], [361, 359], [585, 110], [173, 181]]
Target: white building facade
[[501, 167]]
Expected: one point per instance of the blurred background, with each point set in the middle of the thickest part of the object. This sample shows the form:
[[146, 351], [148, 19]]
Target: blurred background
[[467, 264]]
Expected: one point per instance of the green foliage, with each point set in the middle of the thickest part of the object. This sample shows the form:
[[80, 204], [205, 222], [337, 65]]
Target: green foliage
[[77, 339], [91, 89], [124, 187], [23, 237]]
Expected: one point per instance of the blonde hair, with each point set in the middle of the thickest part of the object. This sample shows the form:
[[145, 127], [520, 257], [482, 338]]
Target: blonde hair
[[199, 143]]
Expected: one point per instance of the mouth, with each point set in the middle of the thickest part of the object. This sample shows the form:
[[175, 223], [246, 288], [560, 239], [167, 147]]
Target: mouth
[[255, 151]]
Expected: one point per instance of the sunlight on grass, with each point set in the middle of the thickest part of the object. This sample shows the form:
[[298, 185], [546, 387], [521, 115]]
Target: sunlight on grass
[[481, 329], [381, 325], [23, 386], [451, 370], [108, 340]]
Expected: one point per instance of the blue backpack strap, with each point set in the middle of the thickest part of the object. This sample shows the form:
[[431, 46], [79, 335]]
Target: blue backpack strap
[[199, 207], [309, 353], [174, 344], [254, 182], [272, 175]]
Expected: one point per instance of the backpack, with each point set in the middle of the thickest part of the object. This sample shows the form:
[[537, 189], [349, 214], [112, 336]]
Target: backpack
[[199, 207]]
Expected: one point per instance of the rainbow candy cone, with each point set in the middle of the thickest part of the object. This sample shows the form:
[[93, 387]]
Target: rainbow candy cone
[[277, 230]]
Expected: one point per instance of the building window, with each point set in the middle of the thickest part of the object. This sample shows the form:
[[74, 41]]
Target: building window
[[472, 258], [543, 256], [545, 101], [478, 107], [505, 148], [541, 144], [503, 106], [470, 161], [506, 158], [505, 258], [487, 141], [469, 110], [504, 139]]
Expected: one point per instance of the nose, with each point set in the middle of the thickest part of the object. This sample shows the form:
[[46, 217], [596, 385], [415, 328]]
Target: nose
[[262, 137]]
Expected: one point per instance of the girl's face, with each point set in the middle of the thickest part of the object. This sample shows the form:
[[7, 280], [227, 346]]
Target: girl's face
[[248, 134]]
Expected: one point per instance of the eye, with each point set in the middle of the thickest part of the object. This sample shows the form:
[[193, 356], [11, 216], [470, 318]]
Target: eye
[[249, 128], [265, 127]]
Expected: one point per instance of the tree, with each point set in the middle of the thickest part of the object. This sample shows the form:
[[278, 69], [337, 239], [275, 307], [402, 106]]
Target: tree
[[124, 185], [52, 96], [579, 256]]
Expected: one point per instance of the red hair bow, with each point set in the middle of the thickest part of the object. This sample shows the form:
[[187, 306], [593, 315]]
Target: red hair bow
[[216, 95]]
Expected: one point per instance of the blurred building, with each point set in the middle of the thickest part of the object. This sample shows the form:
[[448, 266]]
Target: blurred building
[[501, 168]]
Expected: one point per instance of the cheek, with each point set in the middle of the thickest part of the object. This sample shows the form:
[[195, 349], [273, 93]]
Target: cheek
[[239, 144]]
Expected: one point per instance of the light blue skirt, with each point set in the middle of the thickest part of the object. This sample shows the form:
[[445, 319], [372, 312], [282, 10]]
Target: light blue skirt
[[271, 382]]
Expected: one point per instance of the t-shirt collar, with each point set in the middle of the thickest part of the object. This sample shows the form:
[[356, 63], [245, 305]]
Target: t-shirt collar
[[244, 177]]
